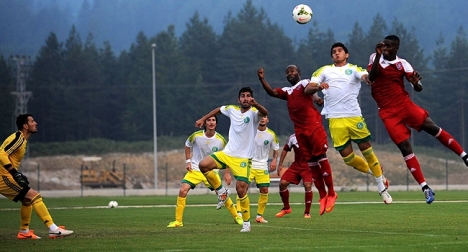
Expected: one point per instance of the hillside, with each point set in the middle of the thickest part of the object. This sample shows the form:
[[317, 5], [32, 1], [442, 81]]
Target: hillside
[[63, 172]]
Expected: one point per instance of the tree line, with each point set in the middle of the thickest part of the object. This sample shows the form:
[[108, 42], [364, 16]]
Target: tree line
[[84, 91]]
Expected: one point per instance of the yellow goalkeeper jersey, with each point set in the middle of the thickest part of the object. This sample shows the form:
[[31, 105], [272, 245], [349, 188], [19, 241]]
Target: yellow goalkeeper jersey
[[12, 151]]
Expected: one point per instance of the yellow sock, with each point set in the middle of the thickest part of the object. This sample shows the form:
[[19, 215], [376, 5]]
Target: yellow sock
[[373, 162], [245, 207], [356, 162], [179, 211], [238, 207], [25, 215], [213, 179], [230, 207], [41, 210], [262, 202]]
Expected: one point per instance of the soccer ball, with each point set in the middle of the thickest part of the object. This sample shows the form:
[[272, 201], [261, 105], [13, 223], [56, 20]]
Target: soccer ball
[[302, 14], [113, 204]]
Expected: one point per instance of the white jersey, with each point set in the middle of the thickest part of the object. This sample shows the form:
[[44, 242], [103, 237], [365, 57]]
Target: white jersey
[[203, 146], [242, 130], [264, 141], [340, 100]]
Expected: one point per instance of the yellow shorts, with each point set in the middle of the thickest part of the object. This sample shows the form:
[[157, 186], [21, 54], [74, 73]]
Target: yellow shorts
[[193, 178], [240, 167], [343, 130], [10, 189], [262, 177]]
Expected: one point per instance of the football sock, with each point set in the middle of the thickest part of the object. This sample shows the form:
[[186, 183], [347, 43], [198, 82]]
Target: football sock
[[25, 216], [318, 179], [415, 168], [327, 175], [41, 210], [230, 207], [238, 204], [245, 207], [285, 198], [380, 184], [262, 202], [213, 180], [448, 141], [308, 201], [356, 162], [372, 162], [179, 213]]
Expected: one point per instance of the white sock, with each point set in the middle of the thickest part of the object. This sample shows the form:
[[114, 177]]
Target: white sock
[[380, 184], [53, 227], [25, 231]]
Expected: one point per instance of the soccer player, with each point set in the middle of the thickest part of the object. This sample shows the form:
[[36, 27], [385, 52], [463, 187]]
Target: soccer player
[[387, 72], [239, 151], [201, 143], [264, 141], [310, 133], [297, 171], [341, 83], [15, 186]]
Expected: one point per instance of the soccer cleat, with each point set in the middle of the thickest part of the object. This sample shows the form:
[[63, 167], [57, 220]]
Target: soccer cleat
[[386, 182], [465, 159], [283, 212], [175, 224], [27, 236], [429, 195], [223, 195], [331, 203], [387, 199], [238, 220], [260, 219], [323, 205], [245, 227], [59, 232], [307, 216]]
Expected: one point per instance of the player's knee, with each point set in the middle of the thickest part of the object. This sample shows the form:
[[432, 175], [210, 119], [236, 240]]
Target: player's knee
[[36, 199]]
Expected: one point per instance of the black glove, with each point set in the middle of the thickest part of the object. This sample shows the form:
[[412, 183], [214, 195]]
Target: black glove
[[20, 179]]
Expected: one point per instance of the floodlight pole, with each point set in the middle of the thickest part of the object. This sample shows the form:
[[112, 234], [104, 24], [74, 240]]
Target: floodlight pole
[[155, 129]]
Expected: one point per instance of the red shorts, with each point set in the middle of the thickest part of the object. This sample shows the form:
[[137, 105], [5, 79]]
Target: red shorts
[[313, 143], [398, 119], [297, 172]]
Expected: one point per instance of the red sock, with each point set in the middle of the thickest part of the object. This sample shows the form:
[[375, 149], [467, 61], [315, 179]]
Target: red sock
[[285, 198], [308, 201], [448, 141], [318, 179], [327, 175], [415, 168]]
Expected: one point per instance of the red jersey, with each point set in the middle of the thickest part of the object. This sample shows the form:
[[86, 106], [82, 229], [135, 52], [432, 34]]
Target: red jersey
[[302, 110], [388, 88]]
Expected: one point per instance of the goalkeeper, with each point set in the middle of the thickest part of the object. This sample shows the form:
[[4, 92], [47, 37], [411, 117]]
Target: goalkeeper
[[15, 186]]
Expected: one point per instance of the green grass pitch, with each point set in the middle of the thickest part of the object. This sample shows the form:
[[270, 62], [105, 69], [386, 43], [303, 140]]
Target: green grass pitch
[[359, 222]]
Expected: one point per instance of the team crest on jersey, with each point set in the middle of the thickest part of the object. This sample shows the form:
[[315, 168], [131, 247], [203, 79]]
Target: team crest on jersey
[[265, 172], [399, 66], [243, 164], [246, 120], [214, 149], [348, 71], [360, 125], [266, 142]]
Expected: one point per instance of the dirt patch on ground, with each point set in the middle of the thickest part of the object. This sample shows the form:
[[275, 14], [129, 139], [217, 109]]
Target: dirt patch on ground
[[64, 172]]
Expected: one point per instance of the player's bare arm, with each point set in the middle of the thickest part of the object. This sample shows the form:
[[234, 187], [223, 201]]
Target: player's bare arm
[[374, 72], [261, 76], [314, 87], [317, 99], [273, 161], [262, 110], [199, 123], [415, 80], [365, 78], [227, 177]]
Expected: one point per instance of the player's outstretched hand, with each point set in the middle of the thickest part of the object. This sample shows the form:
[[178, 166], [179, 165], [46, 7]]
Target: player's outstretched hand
[[261, 73]]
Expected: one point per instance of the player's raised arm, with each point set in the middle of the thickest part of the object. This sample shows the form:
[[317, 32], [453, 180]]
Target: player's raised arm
[[199, 123], [261, 76]]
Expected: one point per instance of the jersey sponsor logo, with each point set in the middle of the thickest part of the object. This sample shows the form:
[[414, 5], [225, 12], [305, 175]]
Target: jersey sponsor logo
[[214, 149], [348, 71], [266, 142], [246, 120]]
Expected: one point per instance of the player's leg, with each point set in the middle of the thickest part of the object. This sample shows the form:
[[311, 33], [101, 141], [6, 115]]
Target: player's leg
[[191, 180], [291, 175], [262, 180], [207, 165], [308, 196], [242, 188], [320, 185], [444, 138]]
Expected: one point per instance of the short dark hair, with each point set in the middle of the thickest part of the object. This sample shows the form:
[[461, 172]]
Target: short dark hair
[[21, 120], [204, 123], [245, 89], [338, 44], [295, 66], [393, 38]]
